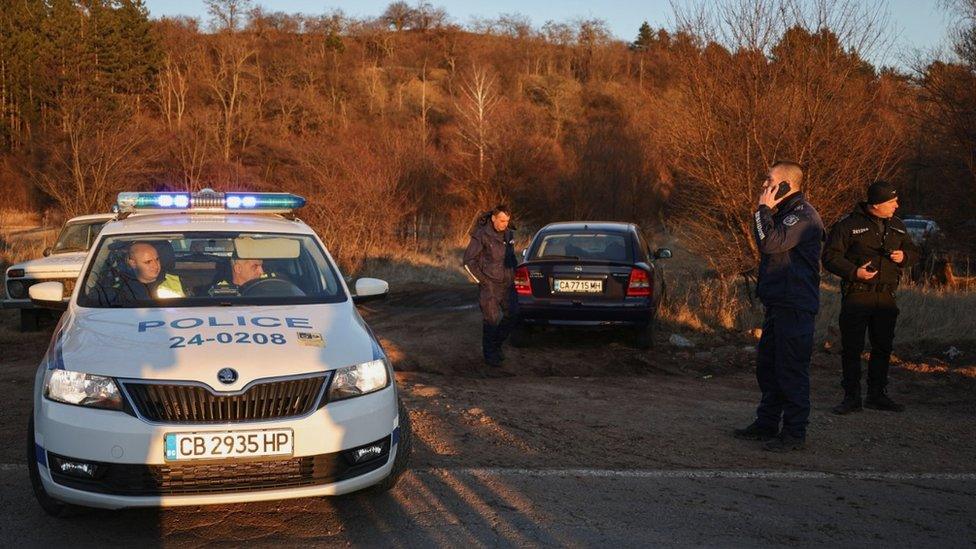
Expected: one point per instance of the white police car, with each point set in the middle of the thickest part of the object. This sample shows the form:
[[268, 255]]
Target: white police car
[[211, 353]]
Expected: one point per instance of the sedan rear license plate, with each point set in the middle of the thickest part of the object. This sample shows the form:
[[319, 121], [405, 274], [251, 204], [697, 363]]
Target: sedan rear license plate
[[229, 444], [578, 286]]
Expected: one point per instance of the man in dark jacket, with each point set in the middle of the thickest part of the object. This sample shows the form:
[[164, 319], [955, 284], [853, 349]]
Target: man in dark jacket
[[140, 277], [490, 260], [869, 249], [789, 235]]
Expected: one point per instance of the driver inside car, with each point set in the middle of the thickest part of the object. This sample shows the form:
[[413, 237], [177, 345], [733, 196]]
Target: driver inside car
[[242, 271]]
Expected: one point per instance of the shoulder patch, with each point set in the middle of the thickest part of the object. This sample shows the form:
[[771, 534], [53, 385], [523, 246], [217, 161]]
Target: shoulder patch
[[798, 207], [790, 220]]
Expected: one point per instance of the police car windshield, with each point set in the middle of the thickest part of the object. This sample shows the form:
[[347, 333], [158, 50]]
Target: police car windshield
[[77, 237], [209, 269], [592, 246]]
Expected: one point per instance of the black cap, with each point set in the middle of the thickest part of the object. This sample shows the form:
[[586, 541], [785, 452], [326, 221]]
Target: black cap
[[881, 191]]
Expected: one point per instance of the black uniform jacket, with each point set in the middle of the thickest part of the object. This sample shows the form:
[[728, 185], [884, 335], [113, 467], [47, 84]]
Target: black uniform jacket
[[789, 242], [490, 256], [861, 237]]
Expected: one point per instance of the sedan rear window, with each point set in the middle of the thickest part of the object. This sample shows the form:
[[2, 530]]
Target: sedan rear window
[[584, 245]]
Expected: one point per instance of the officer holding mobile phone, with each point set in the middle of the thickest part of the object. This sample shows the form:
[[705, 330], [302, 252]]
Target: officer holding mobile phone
[[869, 249], [789, 236]]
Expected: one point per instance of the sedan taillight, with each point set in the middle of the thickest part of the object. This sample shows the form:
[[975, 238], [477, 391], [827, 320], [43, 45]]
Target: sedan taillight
[[640, 283], [522, 284]]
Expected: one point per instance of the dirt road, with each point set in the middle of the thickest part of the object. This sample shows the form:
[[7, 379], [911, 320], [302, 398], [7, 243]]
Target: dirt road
[[591, 443]]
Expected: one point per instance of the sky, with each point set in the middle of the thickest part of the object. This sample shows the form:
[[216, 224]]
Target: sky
[[919, 25]]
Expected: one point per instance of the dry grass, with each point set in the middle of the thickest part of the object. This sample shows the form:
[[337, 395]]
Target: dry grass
[[16, 245], [927, 314], [699, 303], [18, 219], [436, 268], [16, 250]]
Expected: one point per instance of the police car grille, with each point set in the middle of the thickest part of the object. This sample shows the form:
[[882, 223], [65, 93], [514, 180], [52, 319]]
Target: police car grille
[[173, 403]]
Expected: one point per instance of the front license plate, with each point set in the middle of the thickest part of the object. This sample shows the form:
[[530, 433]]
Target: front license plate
[[578, 286], [229, 444]]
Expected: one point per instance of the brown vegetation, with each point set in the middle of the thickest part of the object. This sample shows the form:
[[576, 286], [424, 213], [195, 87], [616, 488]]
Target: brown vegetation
[[400, 129]]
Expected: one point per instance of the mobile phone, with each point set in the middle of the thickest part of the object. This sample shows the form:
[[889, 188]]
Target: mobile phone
[[782, 190], [871, 269]]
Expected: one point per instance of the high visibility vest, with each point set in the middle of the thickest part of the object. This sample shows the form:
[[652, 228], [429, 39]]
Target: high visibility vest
[[170, 287]]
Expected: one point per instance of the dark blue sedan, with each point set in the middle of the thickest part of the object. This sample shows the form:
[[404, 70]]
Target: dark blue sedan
[[589, 274]]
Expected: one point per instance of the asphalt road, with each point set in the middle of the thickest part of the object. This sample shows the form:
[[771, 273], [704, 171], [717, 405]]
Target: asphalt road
[[565, 507]]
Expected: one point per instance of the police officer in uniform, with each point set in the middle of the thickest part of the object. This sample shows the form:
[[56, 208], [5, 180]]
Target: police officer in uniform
[[242, 272], [490, 260], [869, 249], [142, 278], [789, 235]]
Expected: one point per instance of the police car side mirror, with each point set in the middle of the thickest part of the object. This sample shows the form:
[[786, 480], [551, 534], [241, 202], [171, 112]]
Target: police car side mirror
[[369, 289], [48, 295], [662, 253]]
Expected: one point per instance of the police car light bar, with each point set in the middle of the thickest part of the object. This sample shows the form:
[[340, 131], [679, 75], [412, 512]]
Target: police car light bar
[[209, 201]]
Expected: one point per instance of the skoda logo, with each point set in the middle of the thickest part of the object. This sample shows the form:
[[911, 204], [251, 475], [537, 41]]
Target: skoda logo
[[578, 268], [227, 375]]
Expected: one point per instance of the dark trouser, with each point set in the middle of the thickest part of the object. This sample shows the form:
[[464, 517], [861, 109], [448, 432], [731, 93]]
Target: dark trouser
[[875, 312], [783, 370], [498, 306]]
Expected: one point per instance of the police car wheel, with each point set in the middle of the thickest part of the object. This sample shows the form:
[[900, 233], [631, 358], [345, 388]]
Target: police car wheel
[[402, 458], [51, 506], [644, 336]]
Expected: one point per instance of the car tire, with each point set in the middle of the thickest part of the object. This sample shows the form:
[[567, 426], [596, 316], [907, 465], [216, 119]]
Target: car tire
[[51, 506], [401, 460], [644, 336], [521, 335], [30, 320]]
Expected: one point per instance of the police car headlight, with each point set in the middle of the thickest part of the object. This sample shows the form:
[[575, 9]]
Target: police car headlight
[[82, 389], [361, 379]]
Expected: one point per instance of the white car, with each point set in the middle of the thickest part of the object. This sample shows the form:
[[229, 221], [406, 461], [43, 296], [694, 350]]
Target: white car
[[921, 229], [251, 377], [61, 262]]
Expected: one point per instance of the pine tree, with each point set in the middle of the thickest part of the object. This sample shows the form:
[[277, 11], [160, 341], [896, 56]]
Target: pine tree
[[140, 56], [19, 71], [65, 58], [645, 36]]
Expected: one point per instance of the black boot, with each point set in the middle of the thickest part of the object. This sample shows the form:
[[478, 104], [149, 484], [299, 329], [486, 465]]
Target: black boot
[[881, 401], [850, 404], [755, 432], [488, 345], [785, 443]]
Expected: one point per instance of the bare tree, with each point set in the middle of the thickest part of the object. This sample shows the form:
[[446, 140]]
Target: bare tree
[[229, 75], [427, 17], [475, 109], [559, 95], [227, 15], [91, 161], [770, 81], [397, 15]]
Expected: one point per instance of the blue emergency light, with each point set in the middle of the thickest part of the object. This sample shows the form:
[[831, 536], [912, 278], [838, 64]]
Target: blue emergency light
[[209, 201]]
